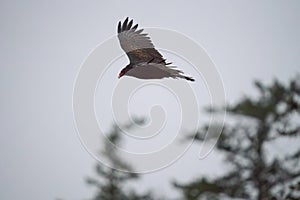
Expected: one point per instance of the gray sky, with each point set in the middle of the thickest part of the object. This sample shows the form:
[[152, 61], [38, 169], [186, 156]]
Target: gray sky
[[43, 44]]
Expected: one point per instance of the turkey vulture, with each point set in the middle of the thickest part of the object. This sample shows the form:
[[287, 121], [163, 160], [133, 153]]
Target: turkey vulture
[[145, 61]]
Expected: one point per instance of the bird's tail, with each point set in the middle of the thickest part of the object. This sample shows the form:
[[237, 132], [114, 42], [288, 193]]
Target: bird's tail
[[188, 78]]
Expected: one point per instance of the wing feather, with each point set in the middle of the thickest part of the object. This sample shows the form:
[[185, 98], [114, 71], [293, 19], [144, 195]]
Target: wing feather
[[119, 27], [124, 26], [130, 24], [137, 45], [135, 27]]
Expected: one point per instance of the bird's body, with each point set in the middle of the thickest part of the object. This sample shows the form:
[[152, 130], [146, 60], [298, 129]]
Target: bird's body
[[145, 61]]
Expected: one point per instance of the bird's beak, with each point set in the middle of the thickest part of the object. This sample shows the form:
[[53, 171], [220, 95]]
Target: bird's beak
[[119, 76]]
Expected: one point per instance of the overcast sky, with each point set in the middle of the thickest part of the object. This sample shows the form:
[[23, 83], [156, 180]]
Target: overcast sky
[[43, 44]]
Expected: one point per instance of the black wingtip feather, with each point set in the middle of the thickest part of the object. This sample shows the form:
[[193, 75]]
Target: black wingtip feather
[[119, 27], [129, 24], [125, 24], [135, 27]]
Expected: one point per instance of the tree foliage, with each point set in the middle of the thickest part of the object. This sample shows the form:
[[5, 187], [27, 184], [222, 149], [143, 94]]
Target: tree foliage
[[110, 183], [255, 124]]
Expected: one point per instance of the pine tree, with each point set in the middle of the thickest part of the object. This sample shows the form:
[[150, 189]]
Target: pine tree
[[258, 122], [110, 181]]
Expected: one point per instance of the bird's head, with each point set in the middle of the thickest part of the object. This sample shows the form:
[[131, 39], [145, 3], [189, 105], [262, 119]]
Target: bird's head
[[124, 71]]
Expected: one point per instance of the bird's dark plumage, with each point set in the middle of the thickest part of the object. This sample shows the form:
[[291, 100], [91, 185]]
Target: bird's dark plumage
[[141, 51]]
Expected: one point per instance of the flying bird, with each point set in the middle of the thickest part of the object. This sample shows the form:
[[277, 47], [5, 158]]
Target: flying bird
[[145, 61]]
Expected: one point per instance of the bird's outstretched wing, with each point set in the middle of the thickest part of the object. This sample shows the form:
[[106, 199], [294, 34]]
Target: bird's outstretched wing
[[137, 45]]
